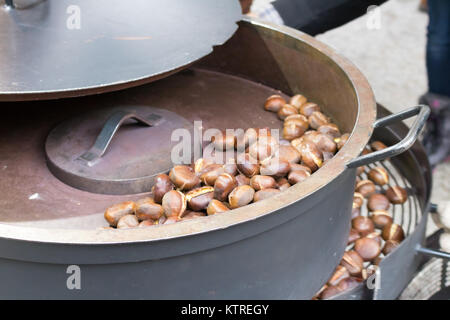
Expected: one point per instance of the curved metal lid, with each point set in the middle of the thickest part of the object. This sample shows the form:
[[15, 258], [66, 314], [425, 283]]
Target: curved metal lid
[[88, 152], [62, 48]]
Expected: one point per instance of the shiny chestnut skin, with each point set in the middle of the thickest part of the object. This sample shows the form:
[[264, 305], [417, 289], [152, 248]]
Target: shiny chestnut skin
[[348, 283], [378, 202], [223, 141], [300, 167], [174, 203], [199, 198], [317, 119], [252, 135], [275, 167], [127, 221], [389, 246], [311, 156], [393, 231], [358, 200], [162, 185], [363, 225], [171, 220], [148, 209], [117, 211], [324, 143], [353, 236], [339, 273], [288, 153], [379, 176], [216, 206], [353, 262], [377, 145], [200, 164], [209, 174], [259, 182], [329, 129], [242, 180], [247, 165], [265, 194], [241, 196], [286, 110], [274, 103], [329, 292], [293, 130], [183, 177], [396, 195], [297, 176], [367, 248], [360, 170], [309, 108], [356, 212], [366, 188], [376, 236], [381, 218], [264, 148], [230, 167], [342, 140], [298, 101], [224, 184]]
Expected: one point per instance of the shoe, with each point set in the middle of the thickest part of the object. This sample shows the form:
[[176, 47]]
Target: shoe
[[436, 139]]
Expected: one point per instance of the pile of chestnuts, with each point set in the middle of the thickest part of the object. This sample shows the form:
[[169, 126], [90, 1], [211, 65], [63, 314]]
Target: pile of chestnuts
[[261, 166], [371, 237]]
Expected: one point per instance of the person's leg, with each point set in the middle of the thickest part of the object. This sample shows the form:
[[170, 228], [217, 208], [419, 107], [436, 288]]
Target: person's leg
[[437, 137], [438, 47]]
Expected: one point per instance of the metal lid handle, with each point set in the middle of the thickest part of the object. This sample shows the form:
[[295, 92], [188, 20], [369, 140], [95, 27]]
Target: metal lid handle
[[422, 113], [111, 126]]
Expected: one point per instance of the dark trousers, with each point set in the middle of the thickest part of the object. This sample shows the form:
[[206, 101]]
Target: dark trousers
[[318, 16], [438, 47]]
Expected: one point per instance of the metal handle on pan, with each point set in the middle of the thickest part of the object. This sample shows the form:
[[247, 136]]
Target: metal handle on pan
[[422, 113], [109, 129]]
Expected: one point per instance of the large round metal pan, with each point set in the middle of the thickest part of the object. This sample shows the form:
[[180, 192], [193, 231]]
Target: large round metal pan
[[283, 247]]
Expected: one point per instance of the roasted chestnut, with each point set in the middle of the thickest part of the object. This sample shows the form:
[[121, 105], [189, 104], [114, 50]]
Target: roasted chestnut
[[264, 148], [127, 221], [298, 101], [247, 165], [381, 218], [396, 195], [317, 119], [311, 156], [274, 103], [353, 262], [216, 206], [309, 108], [366, 188], [264, 194], [367, 248], [241, 196], [288, 153], [259, 182], [342, 140], [377, 145], [183, 177], [389, 246], [297, 176], [224, 184], [211, 173], [358, 200], [293, 130], [188, 215], [223, 141], [376, 236], [241, 180], [340, 273], [174, 203], [363, 225], [147, 209], [378, 202], [115, 212], [353, 236], [162, 185], [393, 232], [379, 176], [286, 110], [275, 167], [146, 223], [199, 198], [329, 129]]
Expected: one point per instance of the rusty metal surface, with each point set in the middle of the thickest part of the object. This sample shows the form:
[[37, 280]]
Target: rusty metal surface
[[298, 63], [64, 48]]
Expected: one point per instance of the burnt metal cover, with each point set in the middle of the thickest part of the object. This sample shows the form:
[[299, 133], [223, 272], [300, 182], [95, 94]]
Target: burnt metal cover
[[101, 152], [62, 48]]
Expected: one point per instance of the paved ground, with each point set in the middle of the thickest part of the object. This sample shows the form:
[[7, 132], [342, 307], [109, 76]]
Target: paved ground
[[393, 59]]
